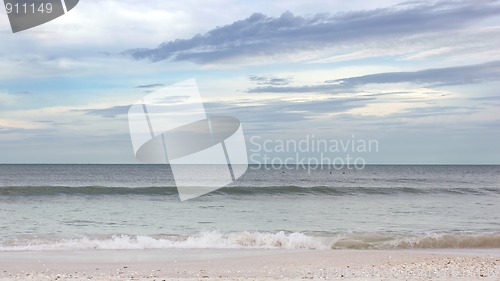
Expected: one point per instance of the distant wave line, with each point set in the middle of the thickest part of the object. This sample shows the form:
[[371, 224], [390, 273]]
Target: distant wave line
[[240, 190]]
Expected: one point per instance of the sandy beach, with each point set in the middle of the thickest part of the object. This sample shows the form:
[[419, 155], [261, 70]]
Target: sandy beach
[[216, 264]]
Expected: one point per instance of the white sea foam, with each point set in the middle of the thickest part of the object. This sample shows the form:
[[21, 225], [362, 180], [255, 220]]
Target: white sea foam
[[259, 240], [417, 241], [210, 239]]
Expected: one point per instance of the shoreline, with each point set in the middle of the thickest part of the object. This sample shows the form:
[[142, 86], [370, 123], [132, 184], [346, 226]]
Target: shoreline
[[243, 264]]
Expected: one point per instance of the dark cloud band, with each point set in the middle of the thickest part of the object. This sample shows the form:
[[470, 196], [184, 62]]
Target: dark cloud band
[[260, 35]]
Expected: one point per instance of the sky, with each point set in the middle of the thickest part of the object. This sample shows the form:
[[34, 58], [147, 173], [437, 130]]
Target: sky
[[420, 78]]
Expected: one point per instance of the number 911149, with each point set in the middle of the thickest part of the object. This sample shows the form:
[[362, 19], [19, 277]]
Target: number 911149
[[43, 8]]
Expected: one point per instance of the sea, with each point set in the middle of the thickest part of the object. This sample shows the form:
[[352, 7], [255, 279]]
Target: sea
[[83, 207]]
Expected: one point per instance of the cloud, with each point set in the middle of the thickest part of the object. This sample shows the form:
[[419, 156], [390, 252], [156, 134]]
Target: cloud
[[425, 118], [108, 112], [7, 98], [117, 110], [328, 106], [148, 86], [19, 124], [459, 75], [435, 111], [492, 98], [260, 35], [272, 111], [448, 76], [270, 80], [276, 111], [429, 53], [321, 88]]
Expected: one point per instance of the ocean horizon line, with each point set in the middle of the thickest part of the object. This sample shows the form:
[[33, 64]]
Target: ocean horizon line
[[269, 164]]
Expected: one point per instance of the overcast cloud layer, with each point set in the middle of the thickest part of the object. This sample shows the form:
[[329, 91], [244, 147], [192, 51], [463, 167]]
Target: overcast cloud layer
[[421, 77]]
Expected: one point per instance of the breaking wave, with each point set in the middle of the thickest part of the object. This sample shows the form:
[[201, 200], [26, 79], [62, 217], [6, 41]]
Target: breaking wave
[[259, 240]]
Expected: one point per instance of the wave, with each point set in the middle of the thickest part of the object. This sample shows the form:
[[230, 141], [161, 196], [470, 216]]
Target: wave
[[238, 190], [209, 239], [261, 240], [83, 190], [424, 241]]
